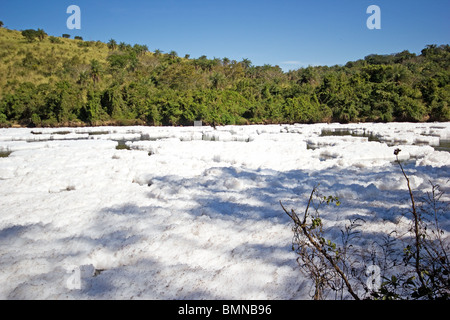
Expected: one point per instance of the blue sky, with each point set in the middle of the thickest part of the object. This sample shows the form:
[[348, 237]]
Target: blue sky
[[288, 33]]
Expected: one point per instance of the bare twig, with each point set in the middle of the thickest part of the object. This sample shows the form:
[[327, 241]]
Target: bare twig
[[416, 222]]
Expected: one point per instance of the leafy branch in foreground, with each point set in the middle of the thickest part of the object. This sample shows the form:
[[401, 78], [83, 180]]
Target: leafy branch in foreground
[[319, 258], [424, 274]]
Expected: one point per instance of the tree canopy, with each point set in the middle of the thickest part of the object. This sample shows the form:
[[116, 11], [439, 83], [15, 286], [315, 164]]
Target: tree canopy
[[92, 82]]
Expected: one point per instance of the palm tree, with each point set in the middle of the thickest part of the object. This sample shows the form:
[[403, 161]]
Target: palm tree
[[246, 63], [83, 78], [217, 80], [122, 46], [41, 34], [173, 54], [112, 44], [140, 49]]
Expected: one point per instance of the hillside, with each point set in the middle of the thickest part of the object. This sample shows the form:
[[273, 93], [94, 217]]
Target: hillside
[[57, 81]]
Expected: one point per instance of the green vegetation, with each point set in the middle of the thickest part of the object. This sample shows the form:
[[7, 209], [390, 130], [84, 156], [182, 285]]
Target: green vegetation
[[54, 81], [31, 34]]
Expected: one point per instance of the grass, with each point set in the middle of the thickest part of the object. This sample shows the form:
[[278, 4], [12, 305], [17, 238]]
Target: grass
[[45, 59]]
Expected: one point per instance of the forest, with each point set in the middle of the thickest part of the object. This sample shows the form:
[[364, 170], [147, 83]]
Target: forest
[[50, 81]]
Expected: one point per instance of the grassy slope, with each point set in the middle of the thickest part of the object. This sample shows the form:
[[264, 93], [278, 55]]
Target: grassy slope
[[48, 59]]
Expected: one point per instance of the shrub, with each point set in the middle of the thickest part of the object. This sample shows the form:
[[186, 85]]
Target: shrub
[[55, 40], [3, 120], [35, 120], [425, 273], [30, 34]]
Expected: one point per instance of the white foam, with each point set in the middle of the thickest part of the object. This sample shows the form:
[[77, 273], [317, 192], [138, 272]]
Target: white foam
[[192, 212]]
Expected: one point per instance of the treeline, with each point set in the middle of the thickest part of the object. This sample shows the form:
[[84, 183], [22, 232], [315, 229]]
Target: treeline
[[133, 86]]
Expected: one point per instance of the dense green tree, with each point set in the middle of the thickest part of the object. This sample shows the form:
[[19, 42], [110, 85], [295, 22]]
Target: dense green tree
[[112, 102], [137, 97], [20, 104], [440, 107], [62, 103], [92, 111], [180, 77], [118, 61], [30, 35]]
